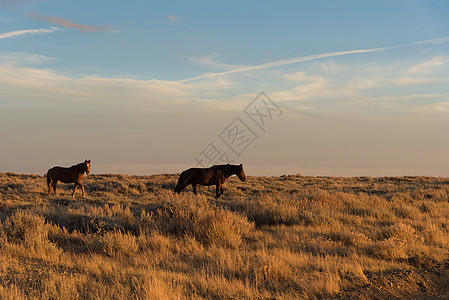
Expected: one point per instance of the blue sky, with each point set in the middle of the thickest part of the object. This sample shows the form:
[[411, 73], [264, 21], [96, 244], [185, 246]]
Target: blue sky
[[144, 87]]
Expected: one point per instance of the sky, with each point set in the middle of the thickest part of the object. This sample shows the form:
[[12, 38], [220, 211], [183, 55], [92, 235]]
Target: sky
[[328, 88]]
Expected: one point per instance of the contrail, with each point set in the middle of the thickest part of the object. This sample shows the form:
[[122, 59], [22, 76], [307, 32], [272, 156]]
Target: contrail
[[294, 60], [27, 32]]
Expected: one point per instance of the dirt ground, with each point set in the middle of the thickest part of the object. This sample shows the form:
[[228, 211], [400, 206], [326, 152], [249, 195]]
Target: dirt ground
[[426, 281]]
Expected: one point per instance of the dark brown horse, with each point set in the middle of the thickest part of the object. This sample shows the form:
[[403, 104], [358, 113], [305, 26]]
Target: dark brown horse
[[74, 174], [215, 175]]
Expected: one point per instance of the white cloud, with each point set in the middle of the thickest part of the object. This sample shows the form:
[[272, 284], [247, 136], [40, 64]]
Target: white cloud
[[439, 107], [22, 58], [430, 65], [410, 97], [299, 76], [25, 32], [46, 86], [330, 67], [318, 87], [365, 89], [363, 83], [48, 81], [337, 86], [407, 80], [212, 62]]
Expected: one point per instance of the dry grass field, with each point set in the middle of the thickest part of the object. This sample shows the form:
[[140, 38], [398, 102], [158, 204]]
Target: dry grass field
[[285, 237]]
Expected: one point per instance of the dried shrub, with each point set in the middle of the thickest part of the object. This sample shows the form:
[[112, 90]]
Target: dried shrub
[[222, 228], [270, 210], [352, 239], [398, 241], [116, 243], [28, 233], [208, 225], [25, 227]]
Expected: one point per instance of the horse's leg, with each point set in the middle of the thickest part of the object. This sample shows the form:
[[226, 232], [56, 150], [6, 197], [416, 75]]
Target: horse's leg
[[49, 188], [221, 190], [195, 190], [74, 189], [54, 186], [82, 188], [217, 190]]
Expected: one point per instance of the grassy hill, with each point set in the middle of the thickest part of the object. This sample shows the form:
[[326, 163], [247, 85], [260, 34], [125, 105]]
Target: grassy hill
[[269, 237]]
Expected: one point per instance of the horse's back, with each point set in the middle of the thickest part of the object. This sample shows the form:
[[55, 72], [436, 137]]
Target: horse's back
[[53, 171], [61, 174], [186, 175], [201, 176], [192, 171]]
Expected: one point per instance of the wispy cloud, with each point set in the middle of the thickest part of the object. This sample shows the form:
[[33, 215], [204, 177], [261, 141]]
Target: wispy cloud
[[281, 62], [23, 32], [173, 18], [428, 66], [212, 62], [67, 23], [299, 77], [9, 3], [48, 85], [312, 57], [437, 107], [4, 20], [413, 81], [24, 59], [434, 41]]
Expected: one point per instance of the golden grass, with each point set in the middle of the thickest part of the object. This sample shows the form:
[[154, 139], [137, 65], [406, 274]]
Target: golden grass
[[271, 237]]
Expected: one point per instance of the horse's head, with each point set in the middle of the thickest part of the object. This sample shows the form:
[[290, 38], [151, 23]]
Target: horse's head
[[240, 173], [87, 166]]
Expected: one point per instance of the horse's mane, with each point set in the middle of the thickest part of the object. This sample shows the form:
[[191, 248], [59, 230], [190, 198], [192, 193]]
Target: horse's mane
[[79, 167]]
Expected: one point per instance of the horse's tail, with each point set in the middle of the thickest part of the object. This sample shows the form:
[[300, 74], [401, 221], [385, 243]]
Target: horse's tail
[[48, 177]]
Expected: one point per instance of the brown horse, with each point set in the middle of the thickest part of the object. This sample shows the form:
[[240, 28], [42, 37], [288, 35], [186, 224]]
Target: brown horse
[[215, 175], [74, 174]]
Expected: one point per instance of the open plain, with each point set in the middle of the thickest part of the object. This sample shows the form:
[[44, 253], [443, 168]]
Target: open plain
[[285, 237]]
